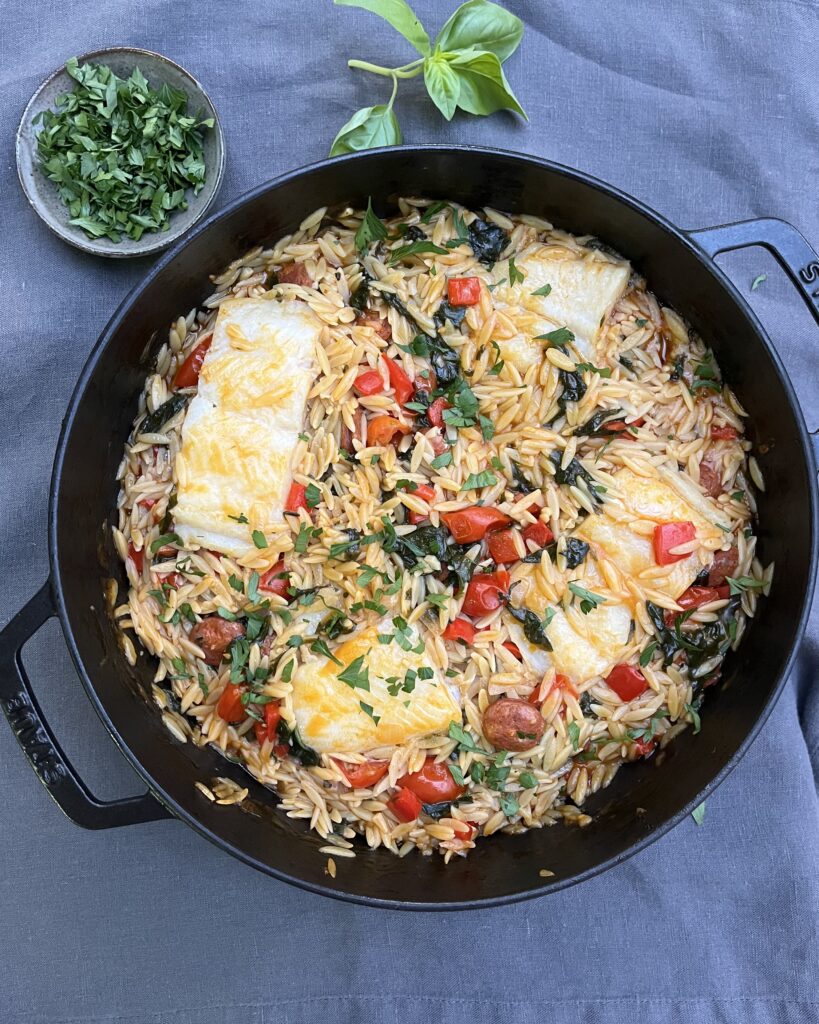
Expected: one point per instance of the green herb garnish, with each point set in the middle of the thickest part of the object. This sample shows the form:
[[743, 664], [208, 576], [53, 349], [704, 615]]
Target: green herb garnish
[[588, 600], [122, 154]]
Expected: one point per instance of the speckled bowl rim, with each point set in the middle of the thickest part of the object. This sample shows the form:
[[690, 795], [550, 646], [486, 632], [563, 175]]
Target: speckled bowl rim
[[157, 241]]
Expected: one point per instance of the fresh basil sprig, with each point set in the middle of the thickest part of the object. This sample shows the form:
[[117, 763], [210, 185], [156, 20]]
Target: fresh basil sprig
[[462, 71]]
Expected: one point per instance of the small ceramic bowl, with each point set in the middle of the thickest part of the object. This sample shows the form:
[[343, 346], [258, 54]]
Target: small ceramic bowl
[[42, 193]]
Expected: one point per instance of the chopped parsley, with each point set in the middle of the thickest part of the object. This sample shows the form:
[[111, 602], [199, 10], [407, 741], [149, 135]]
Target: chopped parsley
[[742, 584], [698, 814], [543, 290], [356, 674], [561, 336], [372, 229], [588, 600], [259, 539], [312, 495], [573, 731], [515, 276], [475, 481], [241, 518]]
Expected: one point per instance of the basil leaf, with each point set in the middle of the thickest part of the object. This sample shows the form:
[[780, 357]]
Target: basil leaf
[[480, 25], [371, 229], [368, 128], [415, 249], [442, 84], [484, 88], [400, 15]]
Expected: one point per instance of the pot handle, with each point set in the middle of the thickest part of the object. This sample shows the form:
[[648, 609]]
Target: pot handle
[[794, 254], [791, 249], [37, 740]]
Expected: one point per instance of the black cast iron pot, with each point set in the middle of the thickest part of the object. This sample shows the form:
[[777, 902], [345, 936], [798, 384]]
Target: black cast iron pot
[[647, 798]]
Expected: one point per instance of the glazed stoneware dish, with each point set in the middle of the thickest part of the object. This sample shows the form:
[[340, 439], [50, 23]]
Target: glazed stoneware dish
[[42, 193], [646, 797]]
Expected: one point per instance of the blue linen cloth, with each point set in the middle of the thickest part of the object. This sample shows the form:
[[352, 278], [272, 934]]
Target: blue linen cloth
[[705, 110]]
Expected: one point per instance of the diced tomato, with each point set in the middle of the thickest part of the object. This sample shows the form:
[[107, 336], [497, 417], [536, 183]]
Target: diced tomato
[[400, 382], [426, 493], [281, 750], [176, 579], [502, 547], [405, 805], [137, 557], [538, 533], [187, 376], [435, 413], [561, 682], [644, 747], [695, 597], [513, 649], [147, 502], [433, 783], [230, 707], [464, 291], [275, 580], [370, 382], [460, 629], [626, 681], [268, 729], [361, 776], [564, 683], [472, 524], [724, 433], [668, 536], [428, 383], [296, 499], [381, 430], [483, 595], [465, 830]]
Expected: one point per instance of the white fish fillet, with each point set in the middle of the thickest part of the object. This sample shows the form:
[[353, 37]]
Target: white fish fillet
[[243, 423], [584, 290], [328, 710]]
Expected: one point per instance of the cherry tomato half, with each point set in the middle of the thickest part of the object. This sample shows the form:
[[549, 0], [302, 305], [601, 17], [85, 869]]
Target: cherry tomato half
[[484, 593], [472, 524], [433, 783]]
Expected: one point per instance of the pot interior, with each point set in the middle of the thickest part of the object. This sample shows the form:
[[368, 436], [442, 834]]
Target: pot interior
[[645, 796]]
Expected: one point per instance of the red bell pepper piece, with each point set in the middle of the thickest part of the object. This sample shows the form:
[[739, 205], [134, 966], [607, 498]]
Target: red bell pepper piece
[[668, 536], [626, 681], [405, 805], [464, 291], [400, 382]]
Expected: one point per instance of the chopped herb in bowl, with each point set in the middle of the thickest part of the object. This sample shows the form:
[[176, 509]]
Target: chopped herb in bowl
[[123, 155]]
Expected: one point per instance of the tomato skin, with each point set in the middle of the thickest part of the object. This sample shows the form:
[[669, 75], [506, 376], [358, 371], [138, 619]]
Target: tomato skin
[[362, 776], [370, 382], [273, 582], [435, 413], [561, 682], [465, 830], [464, 291], [484, 593], [268, 729], [644, 748], [187, 376], [433, 783], [437, 443], [513, 649], [428, 383], [137, 557], [695, 597], [539, 534], [460, 629], [405, 805], [724, 433], [230, 707], [381, 430], [626, 681], [400, 382], [472, 524], [296, 499], [502, 547], [668, 536], [426, 493]]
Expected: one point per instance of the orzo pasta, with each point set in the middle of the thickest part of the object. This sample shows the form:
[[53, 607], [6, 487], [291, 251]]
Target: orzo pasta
[[434, 523]]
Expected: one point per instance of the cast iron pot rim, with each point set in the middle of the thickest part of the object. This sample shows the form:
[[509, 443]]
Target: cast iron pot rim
[[79, 392]]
